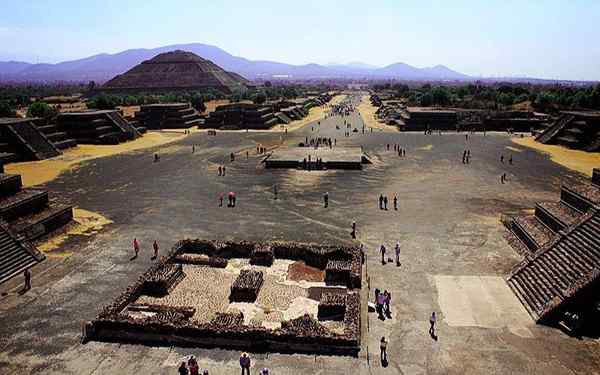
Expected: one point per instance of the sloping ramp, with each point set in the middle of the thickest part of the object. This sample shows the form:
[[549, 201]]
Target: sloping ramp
[[15, 256], [552, 131], [561, 271]]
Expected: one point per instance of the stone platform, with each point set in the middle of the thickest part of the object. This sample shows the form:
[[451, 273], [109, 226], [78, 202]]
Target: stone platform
[[331, 158]]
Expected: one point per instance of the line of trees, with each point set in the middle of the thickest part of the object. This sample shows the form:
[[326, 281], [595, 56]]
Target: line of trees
[[494, 96]]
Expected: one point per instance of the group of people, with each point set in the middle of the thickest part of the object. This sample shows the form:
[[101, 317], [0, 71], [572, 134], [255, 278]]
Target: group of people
[[382, 303], [401, 151], [137, 247], [308, 165], [231, 199], [316, 142], [382, 251], [383, 202]]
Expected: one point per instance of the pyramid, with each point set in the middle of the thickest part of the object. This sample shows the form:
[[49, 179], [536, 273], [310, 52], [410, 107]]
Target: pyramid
[[176, 70]]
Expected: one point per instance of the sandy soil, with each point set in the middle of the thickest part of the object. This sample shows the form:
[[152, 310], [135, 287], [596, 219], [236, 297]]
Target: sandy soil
[[86, 223], [39, 172], [367, 112], [579, 161]]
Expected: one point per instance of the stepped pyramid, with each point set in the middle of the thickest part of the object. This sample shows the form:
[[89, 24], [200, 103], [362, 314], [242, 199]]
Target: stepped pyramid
[[560, 274], [176, 70]]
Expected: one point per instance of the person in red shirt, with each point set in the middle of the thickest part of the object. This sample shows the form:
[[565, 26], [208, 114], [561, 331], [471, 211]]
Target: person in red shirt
[[136, 248]]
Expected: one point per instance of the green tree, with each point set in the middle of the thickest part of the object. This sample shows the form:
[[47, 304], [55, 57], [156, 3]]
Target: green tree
[[259, 98], [426, 99], [42, 110], [104, 101], [440, 95], [506, 98], [6, 110]]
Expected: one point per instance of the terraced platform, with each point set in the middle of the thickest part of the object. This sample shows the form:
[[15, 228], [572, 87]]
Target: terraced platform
[[559, 276]]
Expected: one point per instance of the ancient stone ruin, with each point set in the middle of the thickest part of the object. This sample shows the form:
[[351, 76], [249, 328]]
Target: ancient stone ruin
[[226, 294], [560, 274], [168, 116], [175, 70], [573, 129]]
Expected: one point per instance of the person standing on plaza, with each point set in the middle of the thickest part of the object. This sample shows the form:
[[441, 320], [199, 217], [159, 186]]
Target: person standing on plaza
[[245, 363], [397, 250], [383, 349], [155, 248], [432, 321], [27, 277], [326, 199], [183, 370], [136, 248], [381, 201], [385, 202], [395, 202], [382, 251]]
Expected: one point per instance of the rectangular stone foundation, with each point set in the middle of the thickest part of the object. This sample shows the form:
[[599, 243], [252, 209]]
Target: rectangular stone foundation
[[334, 158], [157, 323]]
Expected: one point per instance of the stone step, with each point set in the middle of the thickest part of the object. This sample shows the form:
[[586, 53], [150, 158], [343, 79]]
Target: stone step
[[39, 224], [67, 143], [10, 184], [23, 203]]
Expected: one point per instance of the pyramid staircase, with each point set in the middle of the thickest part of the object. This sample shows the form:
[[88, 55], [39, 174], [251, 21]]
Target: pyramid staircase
[[96, 127], [29, 212], [576, 130], [59, 139], [23, 139], [16, 254], [168, 116], [242, 116], [561, 270]]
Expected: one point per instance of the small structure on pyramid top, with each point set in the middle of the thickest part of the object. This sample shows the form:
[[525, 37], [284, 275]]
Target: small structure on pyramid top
[[176, 70]]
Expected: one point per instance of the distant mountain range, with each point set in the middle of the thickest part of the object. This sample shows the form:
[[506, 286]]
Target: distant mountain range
[[102, 67]]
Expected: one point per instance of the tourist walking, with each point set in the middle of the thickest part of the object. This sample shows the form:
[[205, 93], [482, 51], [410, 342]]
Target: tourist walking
[[353, 233], [136, 248], [223, 168], [245, 363], [383, 349], [387, 298], [220, 171], [27, 277], [326, 199], [432, 321], [382, 251], [381, 201], [501, 158], [193, 366], [183, 370], [397, 250], [220, 199], [395, 203], [155, 248], [385, 201]]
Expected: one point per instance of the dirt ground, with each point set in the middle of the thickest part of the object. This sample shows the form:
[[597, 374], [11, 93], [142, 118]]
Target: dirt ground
[[580, 161], [367, 112], [453, 261], [39, 172]]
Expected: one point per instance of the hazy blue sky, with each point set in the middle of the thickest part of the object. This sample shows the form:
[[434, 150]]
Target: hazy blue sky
[[547, 39]]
